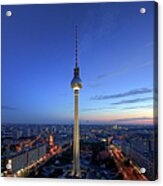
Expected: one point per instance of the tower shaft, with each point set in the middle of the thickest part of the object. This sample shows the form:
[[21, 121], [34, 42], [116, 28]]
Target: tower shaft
[[76, 142]]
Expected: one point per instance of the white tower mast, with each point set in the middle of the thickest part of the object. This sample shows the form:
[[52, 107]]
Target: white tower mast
[[76, 85]]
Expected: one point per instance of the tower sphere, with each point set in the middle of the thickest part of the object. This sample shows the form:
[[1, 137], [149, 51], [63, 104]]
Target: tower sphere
[[76, 83]]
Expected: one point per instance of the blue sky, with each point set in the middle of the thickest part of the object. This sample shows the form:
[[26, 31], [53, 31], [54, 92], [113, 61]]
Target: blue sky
[[115, 60]]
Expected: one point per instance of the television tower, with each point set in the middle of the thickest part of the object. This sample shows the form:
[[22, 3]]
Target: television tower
[[76, 85]]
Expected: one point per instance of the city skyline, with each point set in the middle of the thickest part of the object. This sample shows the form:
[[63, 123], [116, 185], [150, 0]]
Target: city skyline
[[34, 88]]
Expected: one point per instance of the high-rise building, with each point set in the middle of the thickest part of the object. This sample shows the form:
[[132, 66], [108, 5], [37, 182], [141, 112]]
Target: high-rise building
[[51, 140], [76, 85]]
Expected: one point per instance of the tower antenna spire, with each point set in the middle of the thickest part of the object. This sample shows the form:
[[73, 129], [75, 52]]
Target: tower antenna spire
[[76, 47]]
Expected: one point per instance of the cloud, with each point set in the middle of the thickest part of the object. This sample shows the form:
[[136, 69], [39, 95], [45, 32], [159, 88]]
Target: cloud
[[149, 44], [94, 29], [112, 74], [124, 94], [93, 85], [132, 100], [4, 107], [111, 108], [96, 109], [123, 70], [133, 119], [138, 107]]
